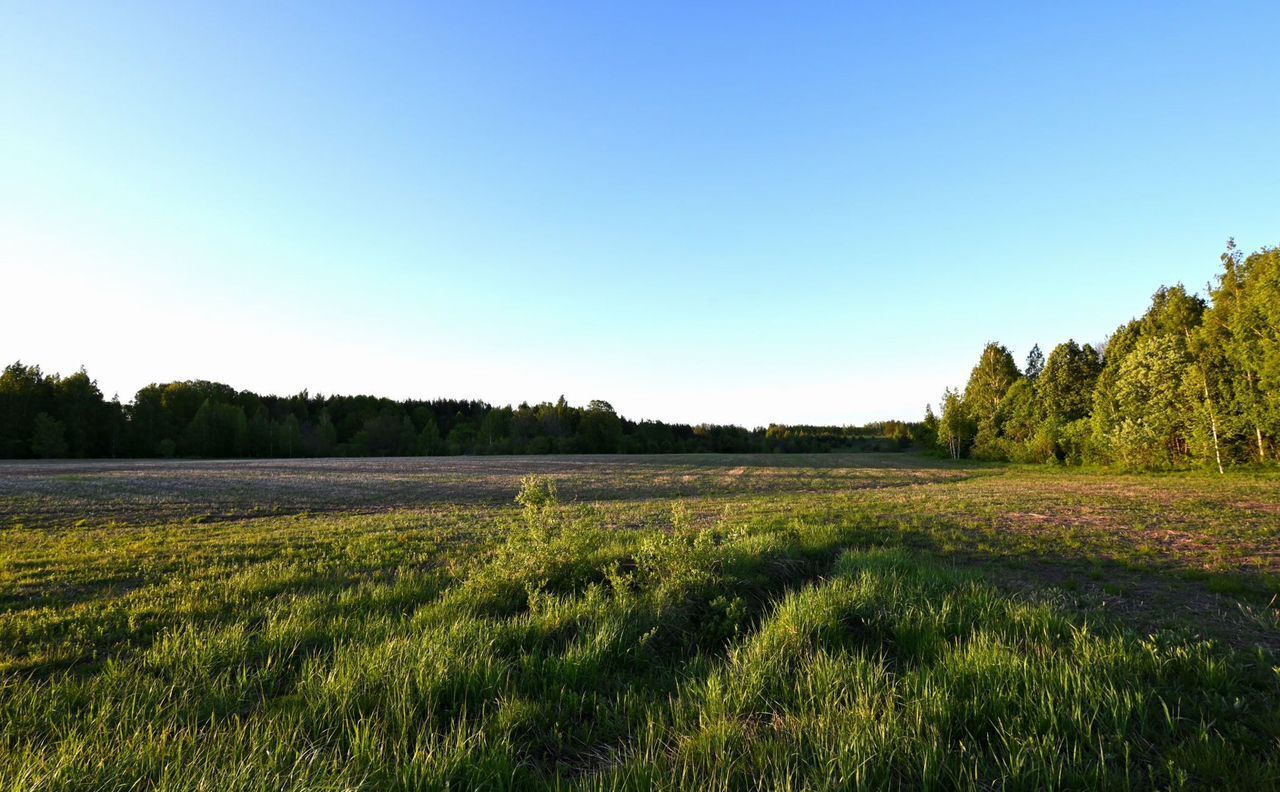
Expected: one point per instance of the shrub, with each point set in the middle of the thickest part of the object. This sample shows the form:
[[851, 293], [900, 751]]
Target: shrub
[[537, 494], [1074, 438]]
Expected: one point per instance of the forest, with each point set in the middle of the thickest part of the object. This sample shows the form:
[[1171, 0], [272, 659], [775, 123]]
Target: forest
[[1192, 382], [53, 416]]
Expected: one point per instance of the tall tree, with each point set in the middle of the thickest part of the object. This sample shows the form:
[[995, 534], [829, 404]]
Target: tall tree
[[1035, 363], [84, 413], [1064, 390], [289, 436], [24, 393], [989, 381], [1253, 291], [1154, 400], [956, 428], [600, 429], [429, 441], [48, 437]]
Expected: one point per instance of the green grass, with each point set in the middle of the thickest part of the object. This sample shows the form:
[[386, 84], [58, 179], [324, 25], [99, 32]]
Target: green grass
[[820, 625]]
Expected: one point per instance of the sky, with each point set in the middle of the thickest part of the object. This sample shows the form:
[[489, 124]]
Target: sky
[[713, 212]]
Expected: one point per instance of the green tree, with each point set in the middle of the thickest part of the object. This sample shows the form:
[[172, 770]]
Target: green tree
[[1248, 298], [925, 433], [325, 436], [461, 439], [1106, 414], [288, 436], [407, 442], [429, 440], [1119, 424], [390, 433], [84, 413], [558, 423], [218, 430], [24, 393], [261, 439], [1064, 390], [149, 422], [1035, 363], [1155, 402], [956, 427], [48, 437], [181, 401], [1018, 412], [989, 381], [495, 431], [1225, 358], [600, 429]]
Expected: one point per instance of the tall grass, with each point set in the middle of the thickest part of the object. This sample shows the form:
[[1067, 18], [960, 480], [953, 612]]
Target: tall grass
[[567, 652]]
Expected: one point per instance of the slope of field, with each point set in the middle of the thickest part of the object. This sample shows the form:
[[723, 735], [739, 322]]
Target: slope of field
[[708, 622]]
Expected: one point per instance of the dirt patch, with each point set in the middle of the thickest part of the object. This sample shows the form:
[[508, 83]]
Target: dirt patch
[[1258, 506]]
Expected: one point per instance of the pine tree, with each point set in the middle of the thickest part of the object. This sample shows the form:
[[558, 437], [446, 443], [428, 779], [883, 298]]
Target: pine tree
[[989, 381], [1035, 363]]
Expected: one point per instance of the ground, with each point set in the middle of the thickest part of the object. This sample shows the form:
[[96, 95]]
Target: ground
[[706, 621]]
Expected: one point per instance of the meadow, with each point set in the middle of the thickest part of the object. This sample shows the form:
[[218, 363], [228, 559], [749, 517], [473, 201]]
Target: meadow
[[699, 622]]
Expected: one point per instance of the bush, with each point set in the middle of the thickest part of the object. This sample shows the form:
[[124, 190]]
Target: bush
[[1040, 449], [1074, 439], [988, 447], [537, 494]]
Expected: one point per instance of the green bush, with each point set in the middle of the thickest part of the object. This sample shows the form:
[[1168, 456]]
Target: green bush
[[537, 494]]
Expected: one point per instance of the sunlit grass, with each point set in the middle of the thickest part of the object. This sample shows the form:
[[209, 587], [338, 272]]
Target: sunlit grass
[[805, 640]]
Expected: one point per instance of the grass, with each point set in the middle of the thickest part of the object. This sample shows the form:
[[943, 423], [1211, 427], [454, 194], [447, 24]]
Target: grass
[[707, 623]]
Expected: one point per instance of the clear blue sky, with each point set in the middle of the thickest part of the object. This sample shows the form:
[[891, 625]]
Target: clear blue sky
[[702, 212]]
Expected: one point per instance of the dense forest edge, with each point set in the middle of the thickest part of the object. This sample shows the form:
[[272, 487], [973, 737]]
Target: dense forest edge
[[52, 416], [1192, 382], [1195, 381]]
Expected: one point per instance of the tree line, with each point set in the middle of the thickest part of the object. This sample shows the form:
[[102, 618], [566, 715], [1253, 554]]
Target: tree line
[[52, 416], [1193, 381]]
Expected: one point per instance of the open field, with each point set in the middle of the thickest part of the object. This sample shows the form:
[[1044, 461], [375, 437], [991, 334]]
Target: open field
[[701, 622]]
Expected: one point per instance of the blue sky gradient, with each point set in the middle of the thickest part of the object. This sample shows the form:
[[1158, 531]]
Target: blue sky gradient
[[726, 213]]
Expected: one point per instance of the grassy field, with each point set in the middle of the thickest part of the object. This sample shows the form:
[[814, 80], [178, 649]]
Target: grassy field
[[699, 622]]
